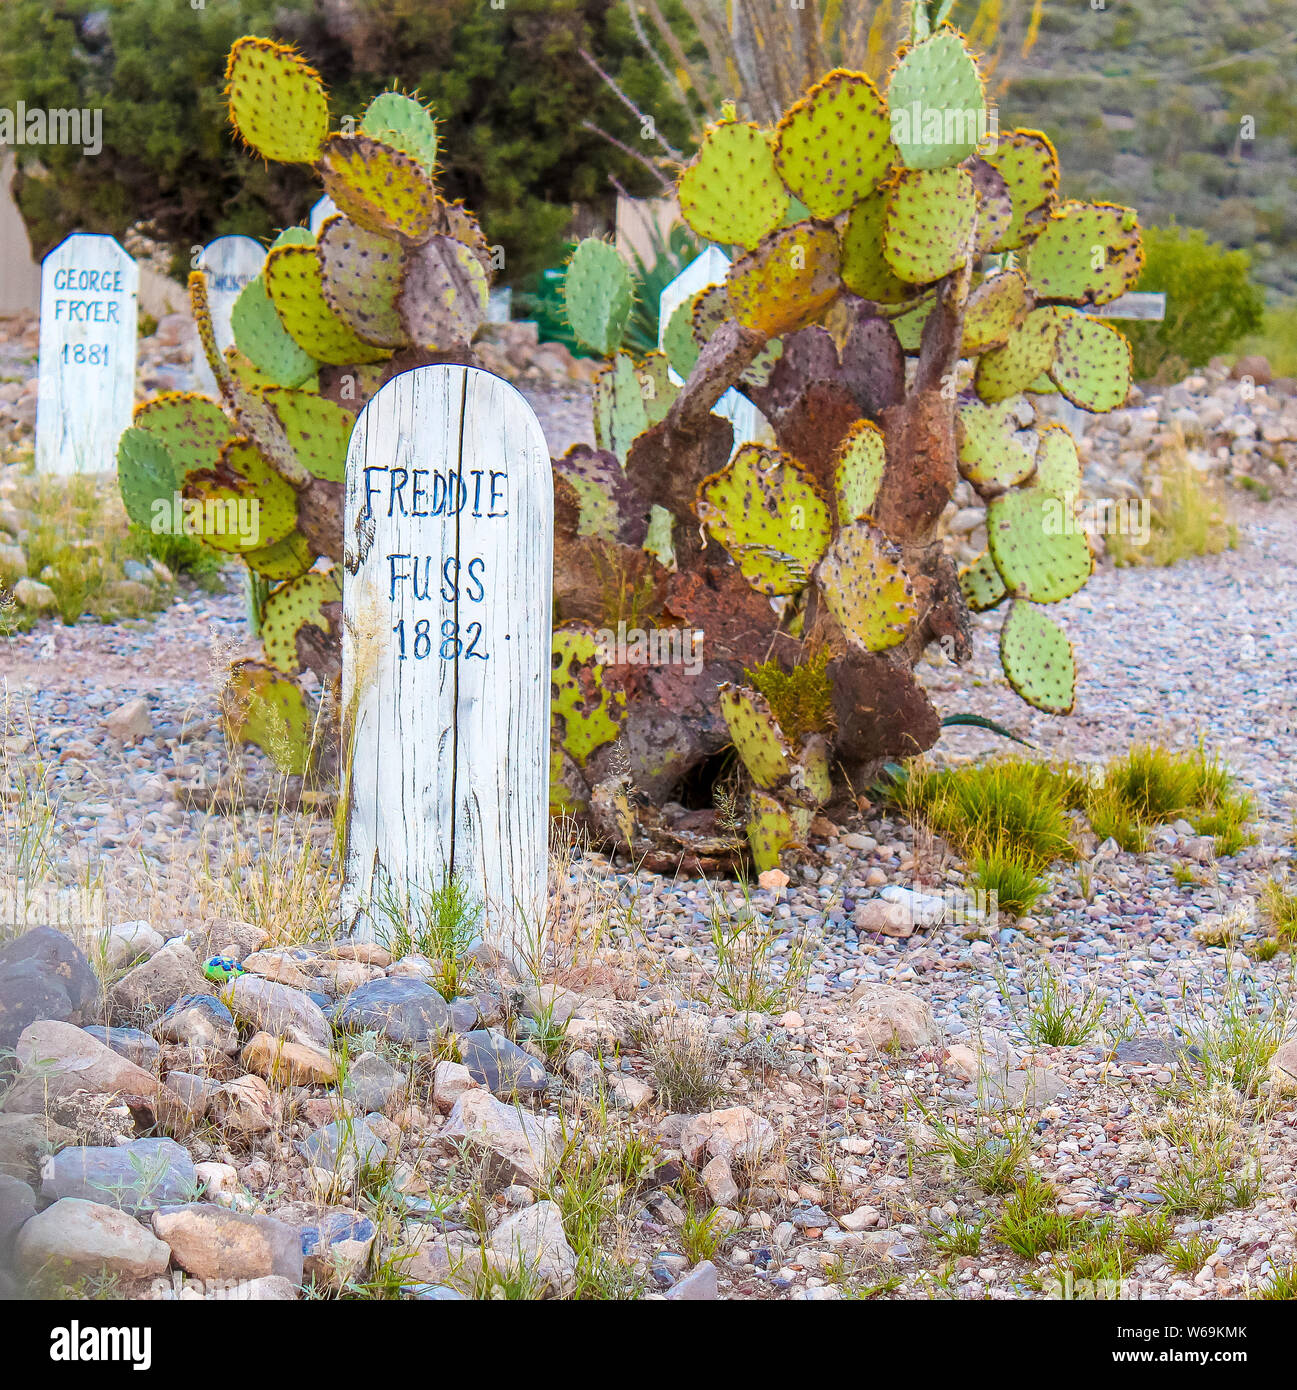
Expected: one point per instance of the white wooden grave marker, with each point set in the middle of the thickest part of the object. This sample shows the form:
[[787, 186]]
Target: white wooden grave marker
[[86, 377], [447, 594], [710, 269], [322, 209], [229, 263]]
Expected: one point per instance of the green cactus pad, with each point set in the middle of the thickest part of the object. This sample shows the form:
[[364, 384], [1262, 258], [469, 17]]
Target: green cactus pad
[[764, 751], [812, 777], [937, 102], [1027, 163], [864, 270], [1058, 468], [909, 325], [995, 451], [293, 236], [981, 584], [993, 311], [657, 390], [1038, 659], [866, 587], [277, 101], [405, 124], [291, 609], [585, 714], [620, 415], [244, 474], [1030, 543], [360, 272], [1029, 350], [379, 188], [598, 294], [767, 511], [260, 706], [599, 485], [193, 428], [994, 204], [659, 537], [261, 425], [146, 473], [711, 308], [318, 429], [296, 289], [1086, 253], [731, 192], [285, 559], [788, 281], [1092, 363], [858, 471], [678, 342], [202, 311], [262, 339], [1042, 386], [770, 830], [832, 147], [930, 221], [443, 294]]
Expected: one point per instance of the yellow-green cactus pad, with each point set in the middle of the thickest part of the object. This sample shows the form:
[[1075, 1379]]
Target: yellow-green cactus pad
[[620, 413], [263, 340], [1086, 253], [865, 271], [866, 587], [767, 511], [909, 325], [931, 217], [277, 101], [285, 559], [242, 475], [443, 295], [812, 778], [981, 584], [858, 471], [1058, 467], [832, 147], [260, 706], [202, 311], [770, 830], [1039, 554], [764, 751], [937, 102], [261, 425], [995, 451], [193, 428], [598, 294], [585, 714], [1029, 166], [731, 192], [291, 609], [678, 342], [361, 275], [994, 204], [379, 188], [146, 475], [318, 429], [993, 311], [788, 281], [1038, 659], [296, 289], [657, 390], [405, 124], [1092, 363], [599, 487], [1028, 351]]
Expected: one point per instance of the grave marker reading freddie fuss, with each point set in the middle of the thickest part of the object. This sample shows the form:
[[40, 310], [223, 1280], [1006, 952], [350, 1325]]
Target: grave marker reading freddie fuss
[[447, 592], [86, 377]]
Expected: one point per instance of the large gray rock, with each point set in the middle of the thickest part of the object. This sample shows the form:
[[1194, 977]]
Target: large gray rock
[[155, 984], [336, 1241], [278, 1009], [25, 1140], [132, 1043], [17, 1207], [215, 1243], [76, 1237], [199, 1021], [403, 1010], [513, 1145], [135, 1177], [342, 1147], [535, 1239], [43, 975], [372, 1082], [500, 1064]]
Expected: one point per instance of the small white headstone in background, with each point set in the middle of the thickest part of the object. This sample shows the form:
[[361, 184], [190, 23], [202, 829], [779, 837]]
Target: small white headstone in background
[[499, 305], [325, 208], [229, 263], [447, 594], [89, 312], [710, 269], [1144, 304]]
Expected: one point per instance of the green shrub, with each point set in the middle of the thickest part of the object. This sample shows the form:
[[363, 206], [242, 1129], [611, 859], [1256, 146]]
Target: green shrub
[[1211, 302]]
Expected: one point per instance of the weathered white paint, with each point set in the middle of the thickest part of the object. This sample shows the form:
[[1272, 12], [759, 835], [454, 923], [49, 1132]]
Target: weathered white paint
[[448, 747], [710, 269], [89, 311], [320, 212], [1143, 305], [229, 263]]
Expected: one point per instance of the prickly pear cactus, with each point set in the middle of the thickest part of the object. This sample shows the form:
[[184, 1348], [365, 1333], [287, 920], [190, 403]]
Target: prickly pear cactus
[[905, 289], [397, 278]]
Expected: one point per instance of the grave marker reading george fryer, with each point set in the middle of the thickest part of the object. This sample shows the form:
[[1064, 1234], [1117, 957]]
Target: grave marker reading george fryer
[[447, 594]]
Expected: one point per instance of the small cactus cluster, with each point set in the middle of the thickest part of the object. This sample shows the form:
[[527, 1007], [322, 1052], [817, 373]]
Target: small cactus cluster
[[904, 286], [396, 278]]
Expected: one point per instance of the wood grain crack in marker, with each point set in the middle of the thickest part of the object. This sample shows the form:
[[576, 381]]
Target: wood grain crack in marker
[[448, 565]]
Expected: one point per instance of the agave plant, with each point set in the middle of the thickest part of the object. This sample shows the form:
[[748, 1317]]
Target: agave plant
[[905, 285], [396, 278]]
